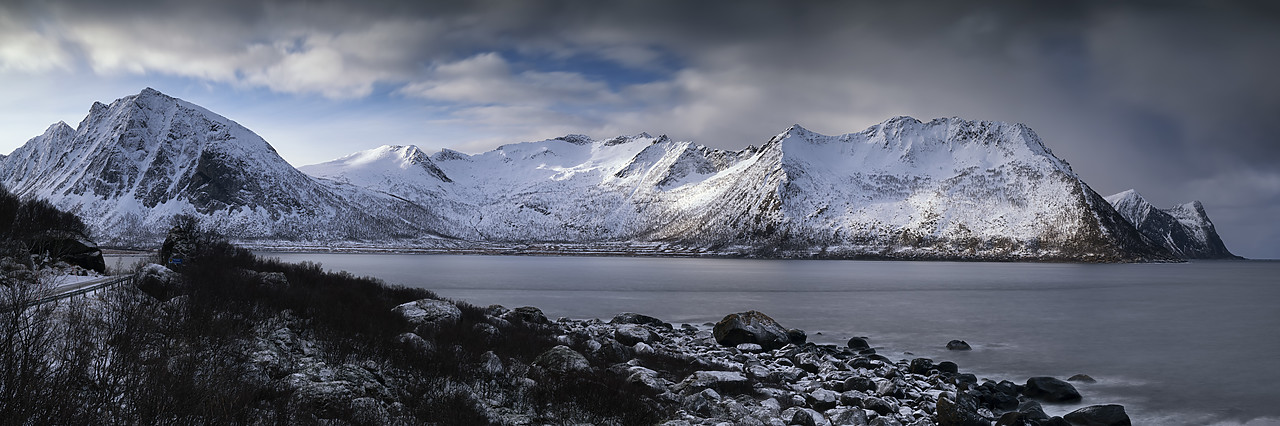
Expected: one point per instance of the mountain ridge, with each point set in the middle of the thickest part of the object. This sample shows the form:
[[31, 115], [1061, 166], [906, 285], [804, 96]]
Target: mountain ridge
[[130, 166], [1184, 229], [902, 189]]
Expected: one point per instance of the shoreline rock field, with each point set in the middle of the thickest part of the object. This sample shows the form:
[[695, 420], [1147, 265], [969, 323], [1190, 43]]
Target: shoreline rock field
[[749, 370]]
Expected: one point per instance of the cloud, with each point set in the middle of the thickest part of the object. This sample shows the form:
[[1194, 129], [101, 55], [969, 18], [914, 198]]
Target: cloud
[[1152, 96], [487, 78], [27, 49], [276, 51]]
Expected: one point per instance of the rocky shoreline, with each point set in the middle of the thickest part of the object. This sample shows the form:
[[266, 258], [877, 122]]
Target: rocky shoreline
[[749, 370]]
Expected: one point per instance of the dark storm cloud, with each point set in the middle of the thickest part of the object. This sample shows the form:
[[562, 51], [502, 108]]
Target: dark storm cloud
[[1176, 99]]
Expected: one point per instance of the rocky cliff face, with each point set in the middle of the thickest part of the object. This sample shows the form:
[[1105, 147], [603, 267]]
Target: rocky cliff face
[[944, 189], [1185, 230]]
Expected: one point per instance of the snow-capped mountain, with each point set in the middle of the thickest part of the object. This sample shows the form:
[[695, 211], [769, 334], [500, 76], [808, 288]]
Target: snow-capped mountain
[[1183, 229], [949, 188], [131, 165], [945, 189]]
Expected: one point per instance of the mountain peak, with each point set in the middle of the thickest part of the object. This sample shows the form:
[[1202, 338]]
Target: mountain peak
[[619, 140], [373, 165], [60, 126], [1130, 195], [447, 154], [576, 139], [1184, 229], [1131, 206]]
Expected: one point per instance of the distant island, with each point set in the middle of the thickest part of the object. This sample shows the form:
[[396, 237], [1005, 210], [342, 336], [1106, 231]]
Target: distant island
[[947, 189]]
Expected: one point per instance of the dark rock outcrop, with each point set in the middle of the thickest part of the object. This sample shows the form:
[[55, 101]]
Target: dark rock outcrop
[[751, 327], [958, 345], [1049, 389], [527, 314], [963, 411], [1082, 378], [72, 247], [858, 344], [634, 318], [1099, 415]]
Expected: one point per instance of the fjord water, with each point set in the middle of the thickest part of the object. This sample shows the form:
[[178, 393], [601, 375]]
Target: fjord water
[[1192, 343]]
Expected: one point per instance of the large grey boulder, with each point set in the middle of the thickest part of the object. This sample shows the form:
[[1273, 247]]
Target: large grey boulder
[[428, 311], [751, 327], [562, 359], [630, 334], [158, 282]]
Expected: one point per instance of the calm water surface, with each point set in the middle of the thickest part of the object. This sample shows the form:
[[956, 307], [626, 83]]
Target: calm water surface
[[1193, 343]]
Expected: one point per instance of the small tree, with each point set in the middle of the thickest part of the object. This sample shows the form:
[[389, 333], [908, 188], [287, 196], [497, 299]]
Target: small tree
[[186, 238]]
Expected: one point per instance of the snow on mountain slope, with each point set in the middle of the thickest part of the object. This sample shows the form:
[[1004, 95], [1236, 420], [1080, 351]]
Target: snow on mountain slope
[[949, 188], [945, 189], [130, 166], [1184, 229], [558, 190]]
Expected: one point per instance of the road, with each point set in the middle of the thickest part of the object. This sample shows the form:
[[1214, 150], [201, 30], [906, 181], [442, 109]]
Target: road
[[73, 289]]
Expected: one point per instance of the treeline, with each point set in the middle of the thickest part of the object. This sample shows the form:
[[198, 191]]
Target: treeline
[[175, 351], [25, 224]]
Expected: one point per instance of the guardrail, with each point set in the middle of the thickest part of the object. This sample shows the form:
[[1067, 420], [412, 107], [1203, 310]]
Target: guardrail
[[119, 280]]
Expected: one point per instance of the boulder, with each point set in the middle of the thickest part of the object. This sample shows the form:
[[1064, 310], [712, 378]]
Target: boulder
[[1099, 415], [921, 366], [1049, 389], [159, 282], [1032, 410], [847, 417], [823, 400], [1013, 418], [648, 379], [962, 411], [1082, 378], [958, 345], [704, 403], [527, 314], [630, 334], [948, 367], [858, 344], [797, 336], [428, 311], [72, 247], [562, 359], [885, 421], [863, 384], [750, 327], [1000, 400], [416, 343], [727, 382], [634, 318], [495, 310], [879, 405]]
